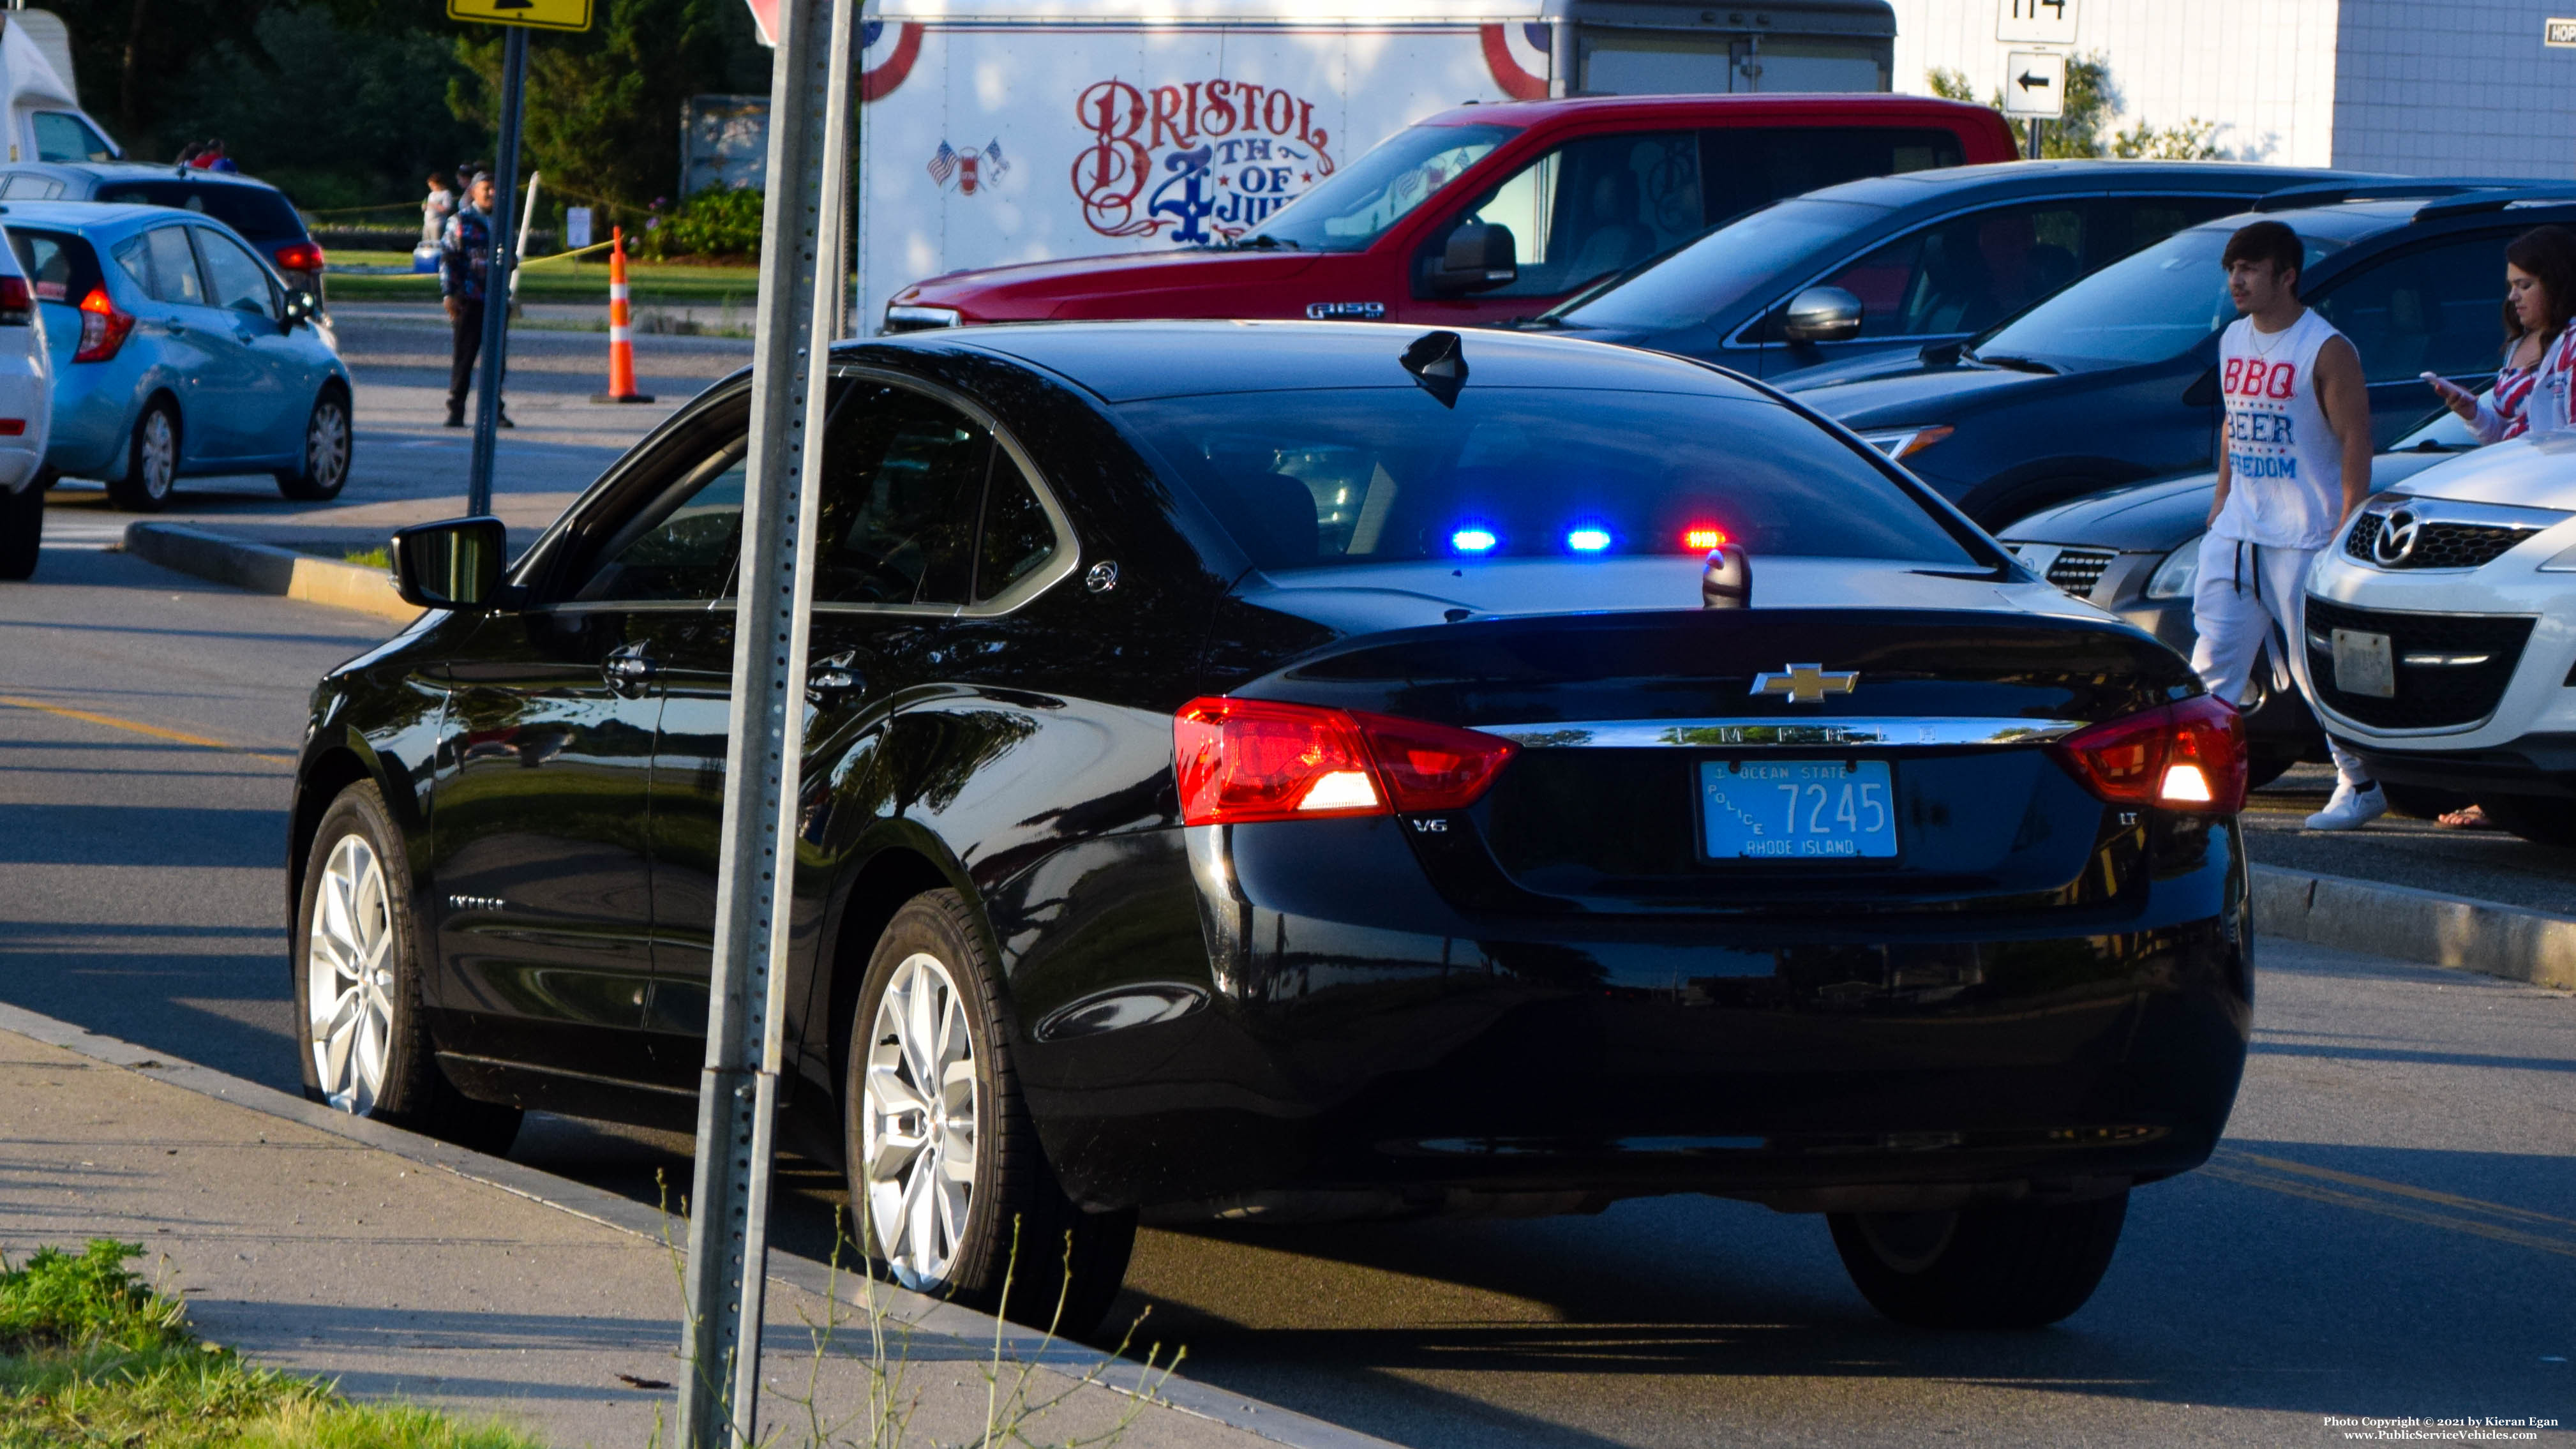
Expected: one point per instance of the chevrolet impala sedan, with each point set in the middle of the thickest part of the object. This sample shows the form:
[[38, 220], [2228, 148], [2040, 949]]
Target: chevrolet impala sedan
[[1283, 771]]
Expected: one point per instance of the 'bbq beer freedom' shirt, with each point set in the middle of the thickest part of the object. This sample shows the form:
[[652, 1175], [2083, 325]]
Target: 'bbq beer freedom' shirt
[[2285, 467]]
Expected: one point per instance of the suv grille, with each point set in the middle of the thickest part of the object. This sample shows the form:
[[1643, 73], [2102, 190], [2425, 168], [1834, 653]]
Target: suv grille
[[2077, 570], [2437, 545], [2429, 696]]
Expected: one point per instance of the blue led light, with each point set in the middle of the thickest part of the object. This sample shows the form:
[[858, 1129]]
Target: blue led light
[[1588, 540], [1472, 540]]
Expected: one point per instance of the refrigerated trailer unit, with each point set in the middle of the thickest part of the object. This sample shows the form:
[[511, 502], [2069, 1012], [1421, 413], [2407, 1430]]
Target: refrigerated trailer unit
[[996, 135]]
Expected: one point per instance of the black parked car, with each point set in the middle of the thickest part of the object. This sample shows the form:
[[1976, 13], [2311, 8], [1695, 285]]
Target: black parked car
[[2115, 379], [1898, 263], [257, 210], [1245, 778], [2136, 552]]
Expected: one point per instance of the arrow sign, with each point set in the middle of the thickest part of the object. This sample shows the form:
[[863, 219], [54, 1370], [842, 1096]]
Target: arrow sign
[[2027, 79], [2035, 84]]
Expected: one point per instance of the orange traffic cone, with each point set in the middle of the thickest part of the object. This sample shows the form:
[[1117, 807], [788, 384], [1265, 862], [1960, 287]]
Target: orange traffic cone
[[621, 330]]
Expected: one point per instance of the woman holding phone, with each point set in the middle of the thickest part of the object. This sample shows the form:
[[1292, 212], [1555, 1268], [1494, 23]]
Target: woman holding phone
[[2531, 390]]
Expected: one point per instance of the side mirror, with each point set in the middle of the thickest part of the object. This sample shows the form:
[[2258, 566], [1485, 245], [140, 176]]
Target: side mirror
[[1822, 314], [455, 564], [301, 306], [1477, 258]]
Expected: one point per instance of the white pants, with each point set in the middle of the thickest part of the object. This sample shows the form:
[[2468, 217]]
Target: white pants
[[2247, 593]]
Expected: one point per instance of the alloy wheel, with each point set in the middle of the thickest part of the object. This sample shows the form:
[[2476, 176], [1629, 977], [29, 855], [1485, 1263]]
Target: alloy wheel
[[349, 978], [918, 1122], [159, 455], [326, 446]]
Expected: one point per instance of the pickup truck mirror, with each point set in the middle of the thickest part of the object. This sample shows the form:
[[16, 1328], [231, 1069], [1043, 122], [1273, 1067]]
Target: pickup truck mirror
[[1822, 314], [452, 564], [1477, 258]]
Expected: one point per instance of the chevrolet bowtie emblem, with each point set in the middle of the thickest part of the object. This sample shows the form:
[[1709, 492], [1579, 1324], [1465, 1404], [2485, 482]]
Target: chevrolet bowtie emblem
[[1806, 683]]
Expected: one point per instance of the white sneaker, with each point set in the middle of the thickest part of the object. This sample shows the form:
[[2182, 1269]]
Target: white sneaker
[[2350, 809]]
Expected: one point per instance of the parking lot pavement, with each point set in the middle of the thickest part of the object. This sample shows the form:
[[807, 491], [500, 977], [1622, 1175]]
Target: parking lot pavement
[[2387, 1232], [2487, 865], [408, 468]]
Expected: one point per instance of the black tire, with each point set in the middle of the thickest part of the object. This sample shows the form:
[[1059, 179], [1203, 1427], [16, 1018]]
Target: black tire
[[22, 531], [2006, 509], [2424, 802], [409, 1090], [2014, 1266], [2262, 767], [2540, 819], [327, 448], [46, 478], [151, 461], [1012, 1184]]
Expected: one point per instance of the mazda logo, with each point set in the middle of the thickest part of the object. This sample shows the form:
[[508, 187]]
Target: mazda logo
[[2396, 538]]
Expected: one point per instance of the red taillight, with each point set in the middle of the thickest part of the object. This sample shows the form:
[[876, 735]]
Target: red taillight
[[1242, 760], [103, 327], [2189, 755], [17, 308], [301, 256], [1701, 537]]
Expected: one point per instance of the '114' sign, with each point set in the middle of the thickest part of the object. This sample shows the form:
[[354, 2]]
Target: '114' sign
[[2035, 22]]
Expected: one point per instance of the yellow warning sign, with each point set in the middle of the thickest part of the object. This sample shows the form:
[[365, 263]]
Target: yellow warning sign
[[540, 14]]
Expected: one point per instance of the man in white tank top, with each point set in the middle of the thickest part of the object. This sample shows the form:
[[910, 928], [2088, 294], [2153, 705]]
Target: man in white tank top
[[2295, 465]]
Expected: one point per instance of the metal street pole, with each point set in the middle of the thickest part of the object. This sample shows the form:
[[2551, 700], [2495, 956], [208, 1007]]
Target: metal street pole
[[496, 278], [803, 261]]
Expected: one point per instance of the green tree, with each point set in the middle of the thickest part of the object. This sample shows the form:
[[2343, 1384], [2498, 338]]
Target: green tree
[[2092, 99], [126, 53]]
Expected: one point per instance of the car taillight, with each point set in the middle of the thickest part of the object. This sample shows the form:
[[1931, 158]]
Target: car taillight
[[17, 307], [103, 327], [301, 256], [2189, 755], [1242, 760]]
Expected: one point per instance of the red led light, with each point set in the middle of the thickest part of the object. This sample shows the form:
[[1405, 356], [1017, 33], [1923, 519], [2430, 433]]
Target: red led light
[[1703, 537]]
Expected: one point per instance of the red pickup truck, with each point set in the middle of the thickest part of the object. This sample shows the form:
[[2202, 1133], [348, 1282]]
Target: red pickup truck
[[1491, 211]]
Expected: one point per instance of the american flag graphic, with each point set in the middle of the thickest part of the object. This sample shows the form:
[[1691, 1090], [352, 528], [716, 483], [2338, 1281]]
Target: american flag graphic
[[943, 164]]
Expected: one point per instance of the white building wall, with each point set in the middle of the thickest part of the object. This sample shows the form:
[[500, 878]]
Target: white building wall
[[2461, 88], [2264, 70]]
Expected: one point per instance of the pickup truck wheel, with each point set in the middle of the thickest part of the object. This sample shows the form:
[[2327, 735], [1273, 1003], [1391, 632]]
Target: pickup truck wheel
[[949, 1188], [2011, 1266], [22, 531]]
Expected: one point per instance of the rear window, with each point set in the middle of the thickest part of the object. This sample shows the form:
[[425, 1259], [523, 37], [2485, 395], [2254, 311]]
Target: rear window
[[1383, 475], [60, 267], [254, 211]]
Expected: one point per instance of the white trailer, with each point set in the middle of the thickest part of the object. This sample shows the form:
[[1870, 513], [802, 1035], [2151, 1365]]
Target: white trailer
[[997, 133]]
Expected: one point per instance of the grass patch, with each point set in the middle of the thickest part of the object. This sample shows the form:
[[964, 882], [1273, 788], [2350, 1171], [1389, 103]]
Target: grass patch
[[90, 1354], [368, 558], [585, 280]]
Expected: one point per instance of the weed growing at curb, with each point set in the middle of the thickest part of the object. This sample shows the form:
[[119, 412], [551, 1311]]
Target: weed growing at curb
[[90, 1354]]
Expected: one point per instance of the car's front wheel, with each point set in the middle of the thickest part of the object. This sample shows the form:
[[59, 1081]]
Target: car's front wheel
[[947, 1179], [2009, 1266], [365, 1044], [326, 452], [151, 461], [22, 531]]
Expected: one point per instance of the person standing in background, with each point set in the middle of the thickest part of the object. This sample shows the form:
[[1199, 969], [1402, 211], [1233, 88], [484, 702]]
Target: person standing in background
[[2296, 464], [2531, 391], [435, 210], [464, 264]]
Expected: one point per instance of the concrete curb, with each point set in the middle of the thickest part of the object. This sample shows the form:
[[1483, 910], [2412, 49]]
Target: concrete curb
[[264, 569], [979, 1332], [2388, 920]]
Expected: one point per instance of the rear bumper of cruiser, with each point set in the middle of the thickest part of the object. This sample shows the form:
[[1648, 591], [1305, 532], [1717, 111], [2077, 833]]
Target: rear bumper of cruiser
[[1368, 1049]]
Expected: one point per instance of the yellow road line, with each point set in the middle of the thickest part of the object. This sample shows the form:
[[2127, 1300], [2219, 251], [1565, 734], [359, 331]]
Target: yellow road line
[[2399, 1189], [140, 728], [2372, 1195]]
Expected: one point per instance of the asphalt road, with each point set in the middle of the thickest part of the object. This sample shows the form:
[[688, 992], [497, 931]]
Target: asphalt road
[[2390, 1230]]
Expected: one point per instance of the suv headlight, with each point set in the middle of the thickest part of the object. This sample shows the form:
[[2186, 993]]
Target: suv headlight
[[1905, 442], [2174, 578], [920, 319]]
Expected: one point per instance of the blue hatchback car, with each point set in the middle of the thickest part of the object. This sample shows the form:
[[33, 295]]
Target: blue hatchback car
[[177, 351]]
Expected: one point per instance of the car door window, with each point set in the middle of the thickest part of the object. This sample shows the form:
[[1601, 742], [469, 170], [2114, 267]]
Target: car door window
[[2433, 309], [903, 481], [681, 545], [1967, 272], [1018, 537], [239, 283], [61, 136], [1592, 206], [173, 267]]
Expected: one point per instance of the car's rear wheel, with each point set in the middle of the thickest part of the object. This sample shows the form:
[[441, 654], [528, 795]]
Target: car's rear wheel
[[2010, 1266], [151, 461], [364, 1040], [22, 531], [2541, 819], [326, 452], [944, 1162]]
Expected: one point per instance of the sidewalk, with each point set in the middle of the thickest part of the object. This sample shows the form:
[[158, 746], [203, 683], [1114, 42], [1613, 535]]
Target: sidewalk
[[318, 1243]]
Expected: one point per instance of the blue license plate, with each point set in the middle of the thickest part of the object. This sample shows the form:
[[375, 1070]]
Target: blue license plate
[[1797, 809]]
